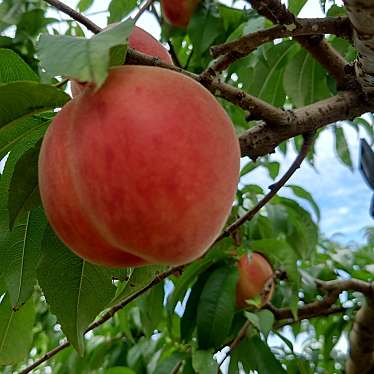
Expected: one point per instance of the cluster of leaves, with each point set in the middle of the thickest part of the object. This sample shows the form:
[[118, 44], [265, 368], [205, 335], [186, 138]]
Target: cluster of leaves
[[178, 325]]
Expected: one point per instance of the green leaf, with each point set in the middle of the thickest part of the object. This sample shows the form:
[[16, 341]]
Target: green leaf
[[341, 147], [152, 307], [265, 79], [83, 5], [84, 59], [119, 9], [19, 99], [203, 30], [168, 365], [232, 17], [304, 194], [10, 166], [24, 189], [204, 363], [75, 289], [139, 278], [20, 256], [273, 168], [295, 6], [216, 307], [266, 321], [366, 125], [119, 370], [15, 331], [188, 320], [20, 129], [249, 167], [32, 22], [255, 355], [7, 181], [305, 80], [183, 283], [13, 68]]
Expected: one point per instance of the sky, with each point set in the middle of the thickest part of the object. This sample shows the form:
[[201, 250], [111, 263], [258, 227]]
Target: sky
[[342, 195]]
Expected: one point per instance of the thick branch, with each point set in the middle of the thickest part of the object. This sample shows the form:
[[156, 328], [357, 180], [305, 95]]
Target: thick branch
[[361, 339], [106, 316], [326, 306], [262, 139], [341, 285], [361, 15]]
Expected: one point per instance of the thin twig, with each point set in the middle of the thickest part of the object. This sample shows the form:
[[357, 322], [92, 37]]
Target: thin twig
[[241, 334], [308, 141], [304, 26], [319, 48], [228, 53], [75, 15], [322, 313], [146, 5], [105, 317], [61, 83]]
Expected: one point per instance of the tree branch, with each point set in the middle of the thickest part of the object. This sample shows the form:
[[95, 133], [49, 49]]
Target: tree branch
[[327, 56], [257, 107], [106, 316], [146, 5], [241, 334], [75, 15], [261, 140], [279, 125], [308, 141], [361, 15], [305, 26], [361, 341]]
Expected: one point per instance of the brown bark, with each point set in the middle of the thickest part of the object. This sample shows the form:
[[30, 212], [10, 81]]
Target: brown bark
[[262, 139], [304, 26], [361, 339], [361, 15], [330, 59]]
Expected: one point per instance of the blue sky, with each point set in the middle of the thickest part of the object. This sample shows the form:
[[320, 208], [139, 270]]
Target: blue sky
[[343, 196]]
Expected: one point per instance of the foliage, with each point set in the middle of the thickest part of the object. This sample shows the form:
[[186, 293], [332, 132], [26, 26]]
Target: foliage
[[178, 325]]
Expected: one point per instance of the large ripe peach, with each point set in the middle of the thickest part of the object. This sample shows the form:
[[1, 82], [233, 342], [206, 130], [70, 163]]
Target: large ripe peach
[[255, 279], [179, 12], [145, 167], [143, 42]]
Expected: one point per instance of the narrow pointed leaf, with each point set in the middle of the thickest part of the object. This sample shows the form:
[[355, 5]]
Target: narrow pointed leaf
[[75, 289], [15, 331], [20, 256], [19, 99], [139, 278], [13, 68], [342, 148], [216, 307]]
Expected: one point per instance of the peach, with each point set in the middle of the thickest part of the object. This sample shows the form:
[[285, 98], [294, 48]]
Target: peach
[[179, 12], [143, 170], [255, 279], [143, 42]]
